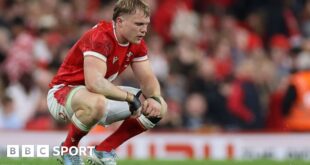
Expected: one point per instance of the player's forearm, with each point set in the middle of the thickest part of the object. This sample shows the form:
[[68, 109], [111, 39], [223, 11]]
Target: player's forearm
[[150, 87], [106, 88]]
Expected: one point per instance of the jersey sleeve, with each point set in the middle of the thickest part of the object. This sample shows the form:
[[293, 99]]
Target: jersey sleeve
[[97, 44], [141, 54]]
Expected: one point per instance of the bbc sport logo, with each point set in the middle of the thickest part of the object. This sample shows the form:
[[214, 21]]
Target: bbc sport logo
[[45, 151]]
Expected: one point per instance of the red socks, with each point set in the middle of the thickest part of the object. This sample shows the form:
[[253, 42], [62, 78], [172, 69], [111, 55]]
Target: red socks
[[128, 129], [74, 136]]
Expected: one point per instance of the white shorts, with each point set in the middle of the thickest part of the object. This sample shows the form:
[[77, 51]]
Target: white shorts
[[59, 104]]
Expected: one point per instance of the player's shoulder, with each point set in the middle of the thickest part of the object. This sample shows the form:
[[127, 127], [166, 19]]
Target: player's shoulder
[[104, 26], [98, 38], [141, 45], [140, 49], [102, 31]]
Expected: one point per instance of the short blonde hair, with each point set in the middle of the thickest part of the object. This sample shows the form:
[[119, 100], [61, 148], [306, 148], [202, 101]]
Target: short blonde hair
[[130, 7]]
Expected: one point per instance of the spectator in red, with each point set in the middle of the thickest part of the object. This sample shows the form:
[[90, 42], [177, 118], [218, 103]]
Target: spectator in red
[[243, 101], [164, 16]]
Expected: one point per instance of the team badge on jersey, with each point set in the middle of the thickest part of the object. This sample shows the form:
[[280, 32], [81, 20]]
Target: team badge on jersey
[[129, 54], [115, 59]]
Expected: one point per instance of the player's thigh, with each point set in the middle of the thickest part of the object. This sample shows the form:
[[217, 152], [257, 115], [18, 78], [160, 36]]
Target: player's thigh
[[87, 101]]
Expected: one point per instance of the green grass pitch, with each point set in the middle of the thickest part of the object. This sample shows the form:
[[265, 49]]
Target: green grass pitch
[[53, 161]]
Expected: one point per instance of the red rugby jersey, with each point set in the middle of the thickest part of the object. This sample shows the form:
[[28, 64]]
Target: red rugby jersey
[[100, 42]]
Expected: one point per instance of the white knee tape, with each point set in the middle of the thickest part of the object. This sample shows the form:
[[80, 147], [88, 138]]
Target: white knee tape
[[115, 111], [146, 122], [79, 124]]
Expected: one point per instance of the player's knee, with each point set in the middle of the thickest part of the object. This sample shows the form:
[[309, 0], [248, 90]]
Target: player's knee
[[99, 108], [163, 112]]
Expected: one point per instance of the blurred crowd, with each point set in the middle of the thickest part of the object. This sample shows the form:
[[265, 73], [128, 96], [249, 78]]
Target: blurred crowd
[[224, 65]]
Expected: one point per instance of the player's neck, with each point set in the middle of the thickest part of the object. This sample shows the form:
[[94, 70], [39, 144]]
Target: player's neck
[[119, 38]]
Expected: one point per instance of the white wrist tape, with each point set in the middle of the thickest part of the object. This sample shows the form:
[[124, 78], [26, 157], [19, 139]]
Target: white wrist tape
[[146, 122]]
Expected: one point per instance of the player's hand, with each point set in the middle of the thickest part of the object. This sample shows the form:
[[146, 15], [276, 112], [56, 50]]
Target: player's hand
[[134, 102], [151, 108]]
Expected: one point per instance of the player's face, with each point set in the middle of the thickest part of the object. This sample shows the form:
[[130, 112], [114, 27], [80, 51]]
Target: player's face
[[134, 27]]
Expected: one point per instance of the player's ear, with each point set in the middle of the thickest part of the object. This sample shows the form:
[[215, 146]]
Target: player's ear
[[119, 20]]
